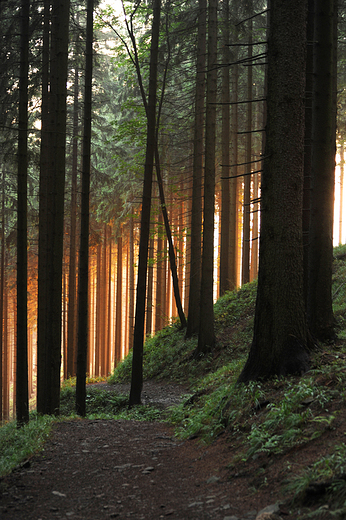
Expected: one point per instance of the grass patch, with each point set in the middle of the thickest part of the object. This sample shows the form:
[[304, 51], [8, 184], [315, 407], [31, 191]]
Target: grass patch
[[17, 445]]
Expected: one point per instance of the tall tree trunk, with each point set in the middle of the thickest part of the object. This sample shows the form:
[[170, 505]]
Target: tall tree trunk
[[119, 304], [248, 156], [150, 280], [225, 181], [71, 325], [131, 282], [49, 343], [320, 308], [3, 381], [206, 333], [233, 216], [308, 143], [22, 258], [137, 363], [196, 211], [83, 282], [342, 173], [42, 355], [280, 339]]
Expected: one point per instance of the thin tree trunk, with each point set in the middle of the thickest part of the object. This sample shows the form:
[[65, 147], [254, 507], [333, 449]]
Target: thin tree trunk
[[342, 173], [119, 304], [3, 381], [84, 237], [71, 325], [225, 181], [196, 211], [137, 363], [248, 156], [233, 216], [22, 407], [206, 334], [131, 283]]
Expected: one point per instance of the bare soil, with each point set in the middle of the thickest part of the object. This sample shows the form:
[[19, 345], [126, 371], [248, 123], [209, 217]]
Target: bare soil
[[100, 469]]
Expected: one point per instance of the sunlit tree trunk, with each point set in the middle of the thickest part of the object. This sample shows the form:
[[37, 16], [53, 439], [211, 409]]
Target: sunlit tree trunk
[[131, 282], [206, 333], [196, 210], [225, 181], [42, 356], [119, 303], [137, 363], [342, 173], [22, 407], [233, 214], [6, 380], [71, 325], [248, 156], [3, 381], [109, 305], [150, 280], [159, 275]]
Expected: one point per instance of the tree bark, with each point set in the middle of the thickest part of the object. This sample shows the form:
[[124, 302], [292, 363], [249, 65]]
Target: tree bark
[[196, 211], [22, 408], [206, 333], [320, 307], [225, 181], [137, 363], [83, 273], [280, 339]]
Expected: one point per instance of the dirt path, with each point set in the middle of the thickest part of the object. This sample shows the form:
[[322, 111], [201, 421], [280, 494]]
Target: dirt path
[[98, 469]]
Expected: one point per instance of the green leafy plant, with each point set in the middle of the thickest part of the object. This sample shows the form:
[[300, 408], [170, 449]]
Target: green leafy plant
[[18, 444]]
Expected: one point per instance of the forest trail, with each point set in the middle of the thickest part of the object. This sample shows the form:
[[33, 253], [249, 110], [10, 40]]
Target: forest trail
[[102, 469]]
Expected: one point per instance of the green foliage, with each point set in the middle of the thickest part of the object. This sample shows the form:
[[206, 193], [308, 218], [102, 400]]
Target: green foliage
[[106, 404], [287, 422], [17, 445], [330, 468]]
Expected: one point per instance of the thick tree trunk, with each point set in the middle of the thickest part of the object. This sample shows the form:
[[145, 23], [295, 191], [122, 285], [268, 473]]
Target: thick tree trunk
[[320, 308], [280, 339], [196, 211], [49, 342]]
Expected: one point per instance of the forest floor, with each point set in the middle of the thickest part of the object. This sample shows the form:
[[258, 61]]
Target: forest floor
[[101, 469]]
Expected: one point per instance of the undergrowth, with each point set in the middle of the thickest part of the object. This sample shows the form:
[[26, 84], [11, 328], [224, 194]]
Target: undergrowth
[[262, 419], [17, 444]]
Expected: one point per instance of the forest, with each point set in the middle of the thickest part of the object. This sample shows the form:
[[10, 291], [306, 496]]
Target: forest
[[144, 147], [172, 251]]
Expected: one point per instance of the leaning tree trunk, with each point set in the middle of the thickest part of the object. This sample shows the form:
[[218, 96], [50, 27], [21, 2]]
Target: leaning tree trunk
[[280, 339], [138, 335]]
